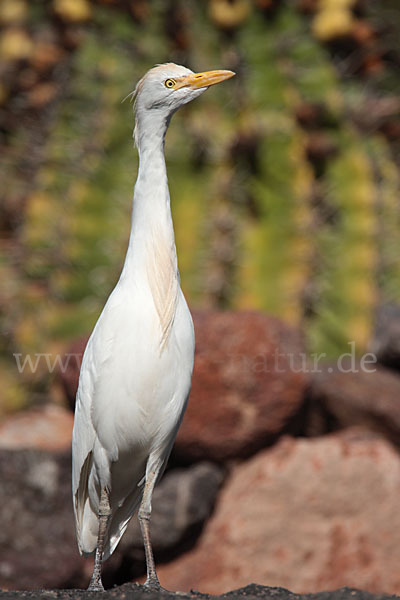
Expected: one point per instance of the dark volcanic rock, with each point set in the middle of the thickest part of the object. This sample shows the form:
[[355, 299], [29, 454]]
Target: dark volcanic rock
[[184, 500], [37, 534], [386, 340], [247, 385], [250, 592], [181, 503], [343, 399]]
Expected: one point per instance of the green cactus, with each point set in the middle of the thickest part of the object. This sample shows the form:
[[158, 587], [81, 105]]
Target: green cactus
[[270, 213]]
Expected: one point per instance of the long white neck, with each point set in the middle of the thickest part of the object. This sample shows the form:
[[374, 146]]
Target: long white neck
[[151, 202], [151, 257]]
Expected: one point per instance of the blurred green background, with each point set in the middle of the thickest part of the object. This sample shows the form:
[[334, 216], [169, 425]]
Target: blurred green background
[[284, 181]]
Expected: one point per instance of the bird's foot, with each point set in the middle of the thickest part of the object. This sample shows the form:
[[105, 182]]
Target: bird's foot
[[95, 585], [152, 583], [95, 588]]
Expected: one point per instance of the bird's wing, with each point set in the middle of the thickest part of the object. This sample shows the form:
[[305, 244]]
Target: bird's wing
[[83, 440], [86, 447], [97, 355], [91, 462]]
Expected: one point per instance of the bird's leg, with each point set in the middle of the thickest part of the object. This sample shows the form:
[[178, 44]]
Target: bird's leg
[[144, 520], [96, 584]]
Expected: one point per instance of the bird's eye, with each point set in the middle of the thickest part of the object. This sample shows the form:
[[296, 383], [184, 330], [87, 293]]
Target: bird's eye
[[170, 83]]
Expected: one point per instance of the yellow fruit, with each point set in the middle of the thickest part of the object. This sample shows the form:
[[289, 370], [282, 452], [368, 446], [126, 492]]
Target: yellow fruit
[[74, 11], [332, 23], [227, 14], [15, 44], [331, 4], [12, 11]]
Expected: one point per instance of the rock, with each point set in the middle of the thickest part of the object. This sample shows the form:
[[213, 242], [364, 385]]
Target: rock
[[37, 537], [309, 514], [386, 340], [37, 540], [246, 385], [250, 592], [340, 399], [47, 427], [182, 502]]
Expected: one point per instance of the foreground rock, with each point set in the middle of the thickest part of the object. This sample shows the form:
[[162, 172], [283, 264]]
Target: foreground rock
[[359, 397], [182, 502], [46, 427], [310, 515], [37, 537], [250, 592], [245, 388]]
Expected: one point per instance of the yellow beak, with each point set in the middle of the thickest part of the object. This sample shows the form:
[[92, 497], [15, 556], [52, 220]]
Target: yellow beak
[[200, 80]]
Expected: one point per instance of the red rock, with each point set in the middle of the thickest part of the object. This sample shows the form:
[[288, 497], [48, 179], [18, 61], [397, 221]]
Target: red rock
[[248, 383], [48, 427], [244, 390], [308, 515], [69, 376]]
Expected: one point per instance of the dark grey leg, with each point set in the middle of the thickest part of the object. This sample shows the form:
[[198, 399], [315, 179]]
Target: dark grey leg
[[144, 520], [96, 584]]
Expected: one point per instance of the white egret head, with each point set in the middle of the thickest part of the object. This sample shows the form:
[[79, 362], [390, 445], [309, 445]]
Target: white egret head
[[167, 87]]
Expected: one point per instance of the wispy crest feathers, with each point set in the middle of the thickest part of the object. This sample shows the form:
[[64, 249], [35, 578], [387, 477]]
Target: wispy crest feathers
[[133, 98]]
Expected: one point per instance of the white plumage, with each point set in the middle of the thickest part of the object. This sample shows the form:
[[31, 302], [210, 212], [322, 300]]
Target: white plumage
[[136, 371]]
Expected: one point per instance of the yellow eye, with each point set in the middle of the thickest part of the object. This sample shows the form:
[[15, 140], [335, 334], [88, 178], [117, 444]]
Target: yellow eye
[[170, 83]]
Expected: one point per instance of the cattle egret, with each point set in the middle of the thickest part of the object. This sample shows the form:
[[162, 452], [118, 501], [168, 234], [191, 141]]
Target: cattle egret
[[137, 367]]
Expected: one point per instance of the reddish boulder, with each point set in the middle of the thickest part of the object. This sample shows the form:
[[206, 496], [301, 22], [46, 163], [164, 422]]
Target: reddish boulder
[[249, 381], [69, 375], [47, 427], [309, 515]]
